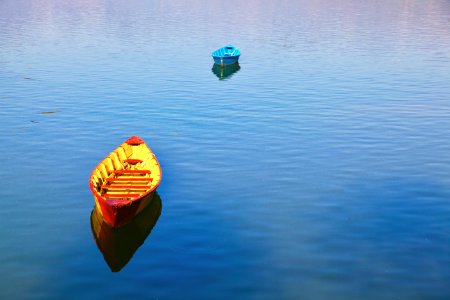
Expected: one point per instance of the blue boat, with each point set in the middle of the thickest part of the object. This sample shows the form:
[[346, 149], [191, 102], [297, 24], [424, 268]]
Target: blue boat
[[226, 55]]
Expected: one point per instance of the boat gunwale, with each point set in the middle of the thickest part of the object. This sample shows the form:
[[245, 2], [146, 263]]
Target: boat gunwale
[[215, 53]]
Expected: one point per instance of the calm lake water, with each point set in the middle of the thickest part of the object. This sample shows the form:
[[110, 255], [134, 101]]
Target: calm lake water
[[317, 169]]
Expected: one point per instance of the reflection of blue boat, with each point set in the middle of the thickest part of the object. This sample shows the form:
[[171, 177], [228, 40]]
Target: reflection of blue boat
[[226, 55], [119, 244], [225, 71]]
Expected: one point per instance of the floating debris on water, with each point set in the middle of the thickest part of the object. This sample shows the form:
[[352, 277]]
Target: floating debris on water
[[48, 112]]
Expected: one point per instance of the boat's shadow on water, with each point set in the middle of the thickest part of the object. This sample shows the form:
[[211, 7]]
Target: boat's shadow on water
[[118, 245], [226, 71]]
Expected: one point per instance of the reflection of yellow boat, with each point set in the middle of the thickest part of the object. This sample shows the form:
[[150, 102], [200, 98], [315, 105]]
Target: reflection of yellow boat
[[119, 244], [223, 72]]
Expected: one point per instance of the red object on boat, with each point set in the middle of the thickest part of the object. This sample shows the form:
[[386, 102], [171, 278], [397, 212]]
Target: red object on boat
[[134, 140]]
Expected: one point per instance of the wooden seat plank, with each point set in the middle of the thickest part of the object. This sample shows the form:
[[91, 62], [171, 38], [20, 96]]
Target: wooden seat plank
[[125, 187], [129, 179], [131, 171], [133, 161], [120, 195]]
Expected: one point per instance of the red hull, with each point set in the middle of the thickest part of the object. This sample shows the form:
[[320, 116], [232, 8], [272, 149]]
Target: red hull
[[117, 213]]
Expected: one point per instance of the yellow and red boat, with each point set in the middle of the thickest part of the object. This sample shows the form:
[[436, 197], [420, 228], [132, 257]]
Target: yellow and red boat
[[124, 182]]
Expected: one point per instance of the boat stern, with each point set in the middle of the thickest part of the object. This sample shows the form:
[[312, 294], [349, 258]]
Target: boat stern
[[119, 213]]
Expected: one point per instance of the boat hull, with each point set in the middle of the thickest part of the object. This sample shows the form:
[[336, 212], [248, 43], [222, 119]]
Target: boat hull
[[223, 61], [124, 183], [116, 214]]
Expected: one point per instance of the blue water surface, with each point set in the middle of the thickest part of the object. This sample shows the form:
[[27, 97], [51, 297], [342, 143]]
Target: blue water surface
[[319, 168]]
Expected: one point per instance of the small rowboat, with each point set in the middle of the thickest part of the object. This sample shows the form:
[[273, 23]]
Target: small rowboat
[[124, 182], [226, 55]]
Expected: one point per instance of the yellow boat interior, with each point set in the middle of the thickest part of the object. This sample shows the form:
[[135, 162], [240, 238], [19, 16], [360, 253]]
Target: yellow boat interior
[[127, 173]]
